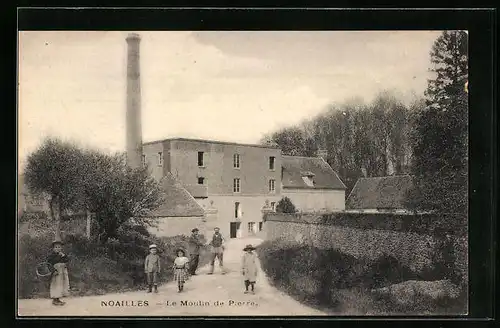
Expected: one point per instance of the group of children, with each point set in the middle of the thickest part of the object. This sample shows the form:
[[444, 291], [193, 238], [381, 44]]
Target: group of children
[[181, 268], [152, 268], [59, 280]]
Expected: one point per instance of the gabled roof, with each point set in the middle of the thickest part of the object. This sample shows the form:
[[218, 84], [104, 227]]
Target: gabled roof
[[381, 192], [296, 167], [177, 200]]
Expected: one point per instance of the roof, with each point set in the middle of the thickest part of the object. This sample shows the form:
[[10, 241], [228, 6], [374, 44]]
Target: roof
[[381, 192], [296, 167], [212, 142], [177, 200]]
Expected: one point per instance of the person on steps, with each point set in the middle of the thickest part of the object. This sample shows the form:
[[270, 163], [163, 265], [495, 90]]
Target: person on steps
[[218, 246], [249, 268], [59, 282], [152, 268], [181, 267]]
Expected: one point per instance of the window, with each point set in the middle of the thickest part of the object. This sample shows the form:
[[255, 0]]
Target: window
[[251, 227], [272, 185], [273, 206], [236, 185], [200, 159], [260, 225], [201, 180], [160, 158], [236, 210], [236, 161], [271, 163], [144, 160]]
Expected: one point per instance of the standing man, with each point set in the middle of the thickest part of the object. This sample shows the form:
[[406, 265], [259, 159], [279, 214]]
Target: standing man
[[217, 244], [194, 245]]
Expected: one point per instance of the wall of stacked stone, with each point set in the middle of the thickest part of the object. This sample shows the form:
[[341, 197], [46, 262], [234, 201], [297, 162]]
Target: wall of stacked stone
[[412, 240]]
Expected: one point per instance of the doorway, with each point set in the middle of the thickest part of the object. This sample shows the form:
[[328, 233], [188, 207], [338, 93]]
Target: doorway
[[233, 228], [252, 228]]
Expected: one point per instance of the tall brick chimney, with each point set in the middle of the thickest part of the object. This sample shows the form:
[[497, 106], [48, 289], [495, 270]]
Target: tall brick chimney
[[133, 127]]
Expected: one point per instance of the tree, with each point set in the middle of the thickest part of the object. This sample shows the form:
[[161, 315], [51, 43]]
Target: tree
[[54, 169], [285, 205], [390, 132], [291, 140], [368, 140], [115, 193], [440, 141], [77, 179]]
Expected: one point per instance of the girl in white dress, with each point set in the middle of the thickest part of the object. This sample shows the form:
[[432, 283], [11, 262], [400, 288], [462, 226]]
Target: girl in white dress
[[181, 266]]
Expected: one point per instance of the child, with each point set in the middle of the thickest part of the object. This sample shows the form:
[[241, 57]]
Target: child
[[59, 282], [181, 267], [152, 268], [249, 268]]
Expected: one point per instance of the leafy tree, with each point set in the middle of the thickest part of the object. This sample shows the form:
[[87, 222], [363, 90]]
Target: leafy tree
[[361, 139], [77, 179], [390, 127], [291, 140], [285, 205], [440, 140], [114, 192], [311, 142], [54, 169]]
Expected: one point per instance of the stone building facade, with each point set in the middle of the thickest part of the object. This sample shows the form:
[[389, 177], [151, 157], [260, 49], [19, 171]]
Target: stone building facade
[[239, 180]]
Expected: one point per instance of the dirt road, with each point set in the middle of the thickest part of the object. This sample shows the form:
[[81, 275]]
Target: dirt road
[[204, 295]]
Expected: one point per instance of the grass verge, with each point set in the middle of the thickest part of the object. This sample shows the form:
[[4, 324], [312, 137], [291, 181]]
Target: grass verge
[[95, 269], [338, 283]]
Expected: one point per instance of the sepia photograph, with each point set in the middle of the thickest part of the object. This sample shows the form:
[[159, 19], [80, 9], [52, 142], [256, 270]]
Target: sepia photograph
[[242, 173]]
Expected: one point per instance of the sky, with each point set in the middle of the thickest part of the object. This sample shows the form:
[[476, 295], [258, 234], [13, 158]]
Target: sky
[[229, 86]]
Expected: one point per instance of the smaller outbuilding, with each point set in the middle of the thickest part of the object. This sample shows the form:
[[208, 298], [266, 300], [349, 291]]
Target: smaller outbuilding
[[380, 194]]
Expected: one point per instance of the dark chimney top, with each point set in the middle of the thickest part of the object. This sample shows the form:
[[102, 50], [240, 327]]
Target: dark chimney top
[[133, 36]]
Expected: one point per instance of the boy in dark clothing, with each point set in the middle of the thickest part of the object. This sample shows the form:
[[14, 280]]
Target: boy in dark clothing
[[195, 244], [152, 268]]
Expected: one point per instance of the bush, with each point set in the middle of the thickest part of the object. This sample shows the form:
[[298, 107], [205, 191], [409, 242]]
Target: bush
[[32, 251], [421, 305], [285, 205], [386, 270], [94, 268], [319, 275], [33, 216]]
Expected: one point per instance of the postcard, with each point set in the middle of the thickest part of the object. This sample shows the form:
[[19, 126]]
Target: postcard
[[242, 173]]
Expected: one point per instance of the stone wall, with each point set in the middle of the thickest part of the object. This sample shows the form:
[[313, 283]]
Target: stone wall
[[218, 169], [250, 210], [415, 250], [151, 150]]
